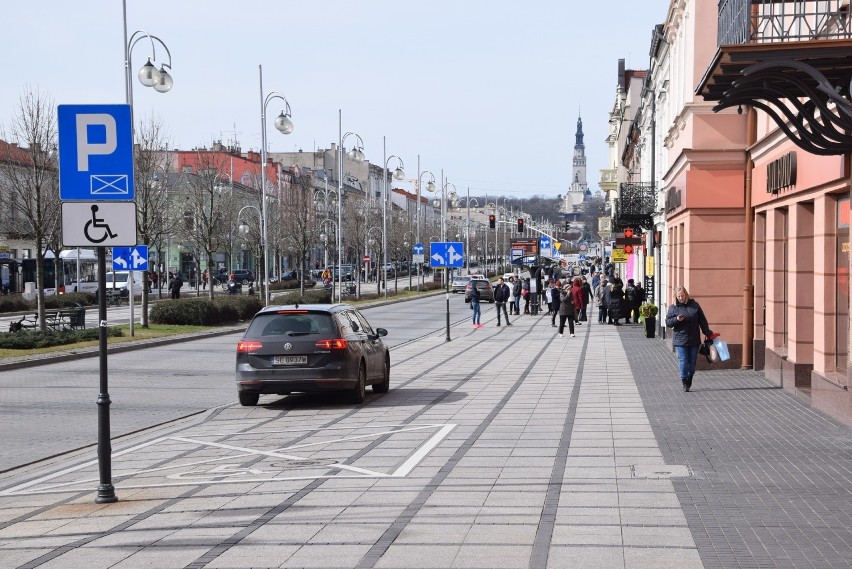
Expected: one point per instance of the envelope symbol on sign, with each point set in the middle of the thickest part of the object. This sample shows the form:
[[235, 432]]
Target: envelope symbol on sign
[[109, 184]]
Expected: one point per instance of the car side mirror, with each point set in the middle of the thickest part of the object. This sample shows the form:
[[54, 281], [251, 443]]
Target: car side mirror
[[381, 332]]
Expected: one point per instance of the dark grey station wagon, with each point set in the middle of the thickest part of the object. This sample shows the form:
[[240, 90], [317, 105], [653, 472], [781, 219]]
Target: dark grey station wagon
[[312, 347]]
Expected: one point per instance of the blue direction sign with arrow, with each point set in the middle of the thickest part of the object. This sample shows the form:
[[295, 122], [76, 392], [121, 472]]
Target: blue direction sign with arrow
[[417, 249], [447, 254], [130, 258], [545, 242]]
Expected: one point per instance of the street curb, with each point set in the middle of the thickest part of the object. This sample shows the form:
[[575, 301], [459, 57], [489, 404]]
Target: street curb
[[92, 351]]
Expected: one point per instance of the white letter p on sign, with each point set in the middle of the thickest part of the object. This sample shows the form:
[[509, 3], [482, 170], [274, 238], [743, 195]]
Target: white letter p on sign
[[84, 147]]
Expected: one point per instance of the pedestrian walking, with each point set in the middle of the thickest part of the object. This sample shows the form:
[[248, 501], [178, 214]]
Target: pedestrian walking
[[629, 300], [577, 296], [687, 321], [511, 303], [501, 297], [600, 296], [474, 305], [548, 298], [616, 299], [516, 292], [556, 292], [587, 298], [525, 293], [175, 283], [566, 310]]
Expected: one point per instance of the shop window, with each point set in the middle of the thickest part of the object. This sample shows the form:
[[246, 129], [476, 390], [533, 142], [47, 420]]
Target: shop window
[[842, 288]]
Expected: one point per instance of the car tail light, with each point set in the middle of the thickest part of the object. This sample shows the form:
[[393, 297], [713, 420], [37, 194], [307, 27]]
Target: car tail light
[[336, 344], [244, 346], [292, 312]]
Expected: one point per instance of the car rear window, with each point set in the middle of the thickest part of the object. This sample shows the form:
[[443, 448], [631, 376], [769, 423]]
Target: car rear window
[[272, 324]]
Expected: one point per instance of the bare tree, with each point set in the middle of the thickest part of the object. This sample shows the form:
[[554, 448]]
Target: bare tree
[[31, 176], [207, 202], [152, 192], [297, 224]]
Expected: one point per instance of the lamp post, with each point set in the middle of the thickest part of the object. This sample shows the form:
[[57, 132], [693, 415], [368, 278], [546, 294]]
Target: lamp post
[[162, 82], [326, 209], [285, 126], [372, 242], [398, 174], [357, 155], [430, 187], [244, 228], [467, 245]]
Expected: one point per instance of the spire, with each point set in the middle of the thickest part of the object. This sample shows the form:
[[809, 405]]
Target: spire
[[579, 135]]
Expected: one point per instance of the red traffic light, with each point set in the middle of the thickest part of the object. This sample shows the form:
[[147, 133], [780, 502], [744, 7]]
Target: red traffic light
[[492, 221], [628, 249], [628, 233], [520, 225]]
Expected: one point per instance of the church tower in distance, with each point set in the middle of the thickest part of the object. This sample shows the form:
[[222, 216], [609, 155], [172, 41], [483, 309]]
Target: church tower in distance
[[579, 190]]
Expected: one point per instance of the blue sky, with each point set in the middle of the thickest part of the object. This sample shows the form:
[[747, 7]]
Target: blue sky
[[487, 90]]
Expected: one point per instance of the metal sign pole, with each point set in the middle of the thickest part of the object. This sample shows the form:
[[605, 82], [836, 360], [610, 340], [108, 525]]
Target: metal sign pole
[[106, 491], [447, 270]]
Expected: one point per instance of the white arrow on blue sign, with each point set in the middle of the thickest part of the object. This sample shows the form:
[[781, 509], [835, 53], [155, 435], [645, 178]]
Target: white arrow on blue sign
[[417, 249], [447, 254], [545, 242], [130, 258]]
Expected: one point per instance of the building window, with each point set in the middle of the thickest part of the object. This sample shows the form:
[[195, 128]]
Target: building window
[[842, 289]]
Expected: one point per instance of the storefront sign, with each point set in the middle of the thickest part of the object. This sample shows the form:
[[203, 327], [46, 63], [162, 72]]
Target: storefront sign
[[673, 199], [781, 173]]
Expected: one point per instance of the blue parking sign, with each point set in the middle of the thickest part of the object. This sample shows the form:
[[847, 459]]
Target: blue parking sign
[[95, 153]]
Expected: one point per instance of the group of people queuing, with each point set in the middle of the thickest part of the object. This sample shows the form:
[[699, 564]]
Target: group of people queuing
[[615, 301]]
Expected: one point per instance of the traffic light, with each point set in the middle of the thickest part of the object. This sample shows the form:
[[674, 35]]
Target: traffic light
[[492, 221], [520, 225], [567, 225], [628, 249], [628, 233]]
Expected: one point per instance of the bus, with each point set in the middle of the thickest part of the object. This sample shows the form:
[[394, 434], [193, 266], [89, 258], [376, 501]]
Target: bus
[[72, 262]]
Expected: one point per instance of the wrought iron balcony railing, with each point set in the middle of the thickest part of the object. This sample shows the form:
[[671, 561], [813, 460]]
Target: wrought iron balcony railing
[[774, 21], [635, 206]]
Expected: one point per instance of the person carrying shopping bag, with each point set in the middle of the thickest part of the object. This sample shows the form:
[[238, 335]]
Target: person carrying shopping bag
[[687, 321]]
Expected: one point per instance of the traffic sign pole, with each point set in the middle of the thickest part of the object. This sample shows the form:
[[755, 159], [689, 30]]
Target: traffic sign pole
[[106, 491]]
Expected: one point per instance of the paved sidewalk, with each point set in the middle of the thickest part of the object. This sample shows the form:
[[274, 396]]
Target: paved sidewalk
[[507, 447]]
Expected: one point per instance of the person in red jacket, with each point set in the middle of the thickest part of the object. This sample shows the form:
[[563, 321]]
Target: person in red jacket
[[577, 299]]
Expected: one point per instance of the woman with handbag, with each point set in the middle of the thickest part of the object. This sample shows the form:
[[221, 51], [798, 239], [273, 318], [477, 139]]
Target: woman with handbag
[[687, 321]]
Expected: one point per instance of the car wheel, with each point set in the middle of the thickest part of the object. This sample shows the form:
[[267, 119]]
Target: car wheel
[[359, 392], [384, 385], [248, 399], [245, 281]]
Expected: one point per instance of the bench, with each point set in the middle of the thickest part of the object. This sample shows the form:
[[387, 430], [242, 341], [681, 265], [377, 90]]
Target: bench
[[73, 318]]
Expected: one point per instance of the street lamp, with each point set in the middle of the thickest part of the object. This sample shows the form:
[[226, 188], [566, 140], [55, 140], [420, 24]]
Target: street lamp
[[398, 174], [243, 227], [467, 245], [285, 126], [357, 155], [372, 242], [430, 187]]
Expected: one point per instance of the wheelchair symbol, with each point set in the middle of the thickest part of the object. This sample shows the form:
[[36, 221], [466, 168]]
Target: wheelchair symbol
[[96, 223]]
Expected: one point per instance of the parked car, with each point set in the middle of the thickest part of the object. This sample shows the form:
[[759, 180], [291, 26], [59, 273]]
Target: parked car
[[220, 278], [312, 347], [459, 283], [486, 291], [289, 275], [478, 277], [242, 276]]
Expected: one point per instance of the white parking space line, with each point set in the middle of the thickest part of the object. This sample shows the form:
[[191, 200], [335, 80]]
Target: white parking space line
[[233, 471]]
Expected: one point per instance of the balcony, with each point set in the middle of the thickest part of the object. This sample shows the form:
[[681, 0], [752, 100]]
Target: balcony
[[789, 60], [635, 206], [609, 179]]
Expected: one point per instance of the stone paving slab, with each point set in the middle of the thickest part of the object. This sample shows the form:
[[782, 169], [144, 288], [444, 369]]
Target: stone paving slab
[[507, 447]]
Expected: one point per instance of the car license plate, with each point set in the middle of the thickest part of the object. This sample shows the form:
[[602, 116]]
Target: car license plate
[[289, 360]]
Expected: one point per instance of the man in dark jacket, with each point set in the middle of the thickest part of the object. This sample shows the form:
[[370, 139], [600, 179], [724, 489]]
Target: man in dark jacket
[[501, 297], [516, 293]]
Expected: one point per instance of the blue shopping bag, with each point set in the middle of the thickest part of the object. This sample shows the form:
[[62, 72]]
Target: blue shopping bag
[[722, 349]]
